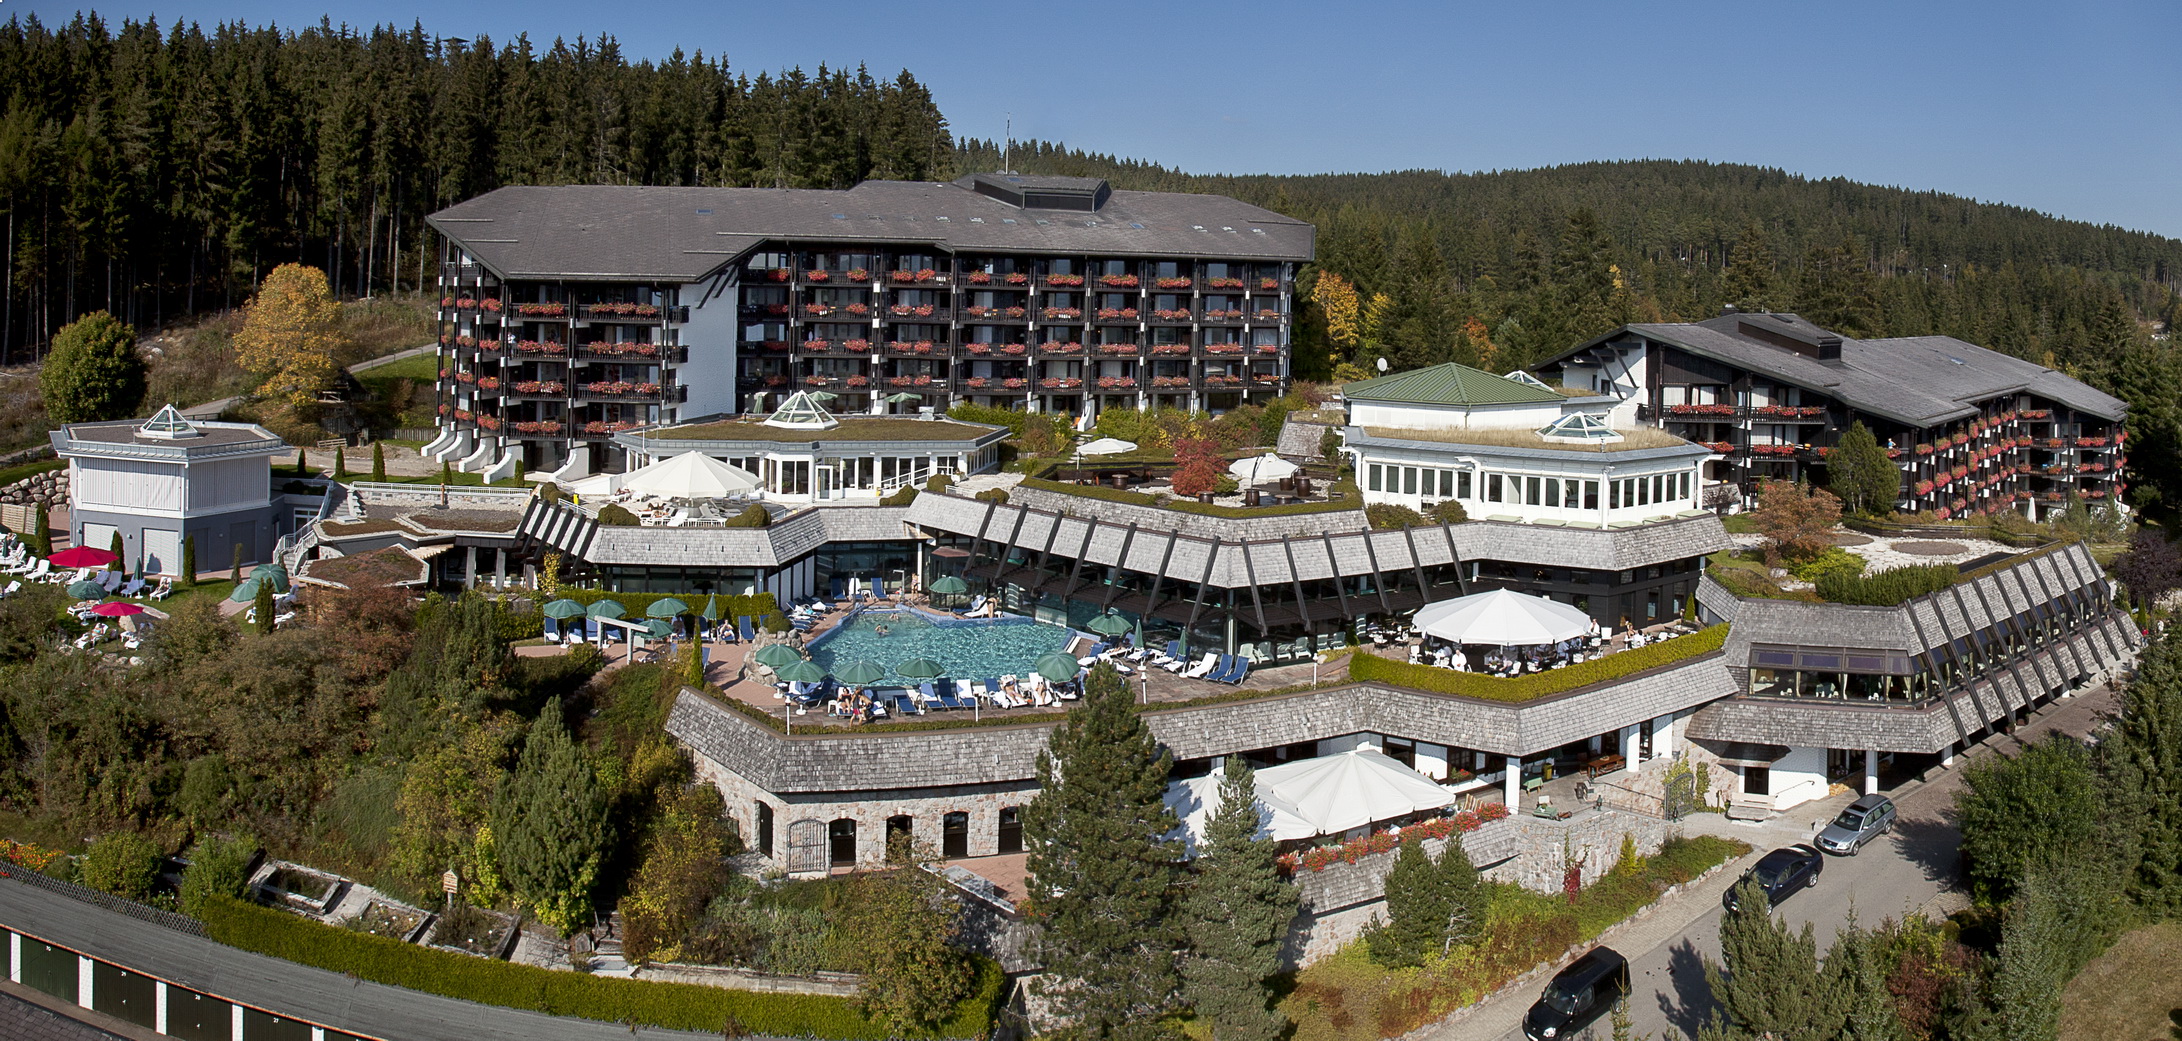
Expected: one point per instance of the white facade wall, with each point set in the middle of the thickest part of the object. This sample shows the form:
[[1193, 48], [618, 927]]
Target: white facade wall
[[710, 336], [169, 489], [1575, 486], [1798, 777], [1622, 377]]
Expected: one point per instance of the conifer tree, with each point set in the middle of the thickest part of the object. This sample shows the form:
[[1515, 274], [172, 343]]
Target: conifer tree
[[41, 531], [1465, 893], [1417, 911], [2024, 994], [189, 562], [378, 461], [261, 608], [340, 464], [1102, 867], [93, 371], [1748, 281], [1236, 917], [2140, 767], [234, 573], [1860, 474], [1771, 982], [550, 827]]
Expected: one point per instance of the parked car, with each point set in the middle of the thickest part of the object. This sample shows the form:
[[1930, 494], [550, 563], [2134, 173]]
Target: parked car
[[1578, 995], [1864, 820], [1782, 872]]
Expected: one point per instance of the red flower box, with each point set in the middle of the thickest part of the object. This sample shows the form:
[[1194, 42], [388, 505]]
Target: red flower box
[[1061, 314], [1700, 410], [1017, 278], [1170, 348], [1223, 283], [541, 310], [1178, 314], [1107, 314], [1118, 281], [816, 276], [859, 274], [1172, 283], [1069, 281]]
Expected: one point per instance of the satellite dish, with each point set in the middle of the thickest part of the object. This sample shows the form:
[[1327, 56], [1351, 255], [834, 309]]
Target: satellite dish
[[1382, 365]]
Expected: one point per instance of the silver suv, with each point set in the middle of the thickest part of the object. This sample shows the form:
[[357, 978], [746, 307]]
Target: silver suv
[[1864, 820]]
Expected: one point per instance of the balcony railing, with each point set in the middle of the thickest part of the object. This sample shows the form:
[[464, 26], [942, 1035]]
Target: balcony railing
[[548, 389], [630, 351], [996, 383], [988, 315], [1225, 316], [919, 312], [620, 312], [996, 350], [915, 349], [622, 391], [1002, 280], [1061, 349], [538, 428], [1117, 350], [850, 276], [1116, 316], [918, 277], [1115, 383], [839, 348], [835, 312], [920, 384], [1171, 316], [531, 312]]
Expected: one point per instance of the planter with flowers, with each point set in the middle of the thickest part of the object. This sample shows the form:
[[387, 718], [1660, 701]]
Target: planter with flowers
[[1170, 348], [1118, 350], [1015, 349], [1171, 314], [542, 310], [1170, 381], [1064, 281], [1269, 316], [1118, 281], [1223, 283], [1700, 410], [1059, 383], [1117, 383], [1216, 314], [1016, 278], [858, 381], [1172, 283], [1060, 347], [1117, 314], [1223, 348], [534, 427]]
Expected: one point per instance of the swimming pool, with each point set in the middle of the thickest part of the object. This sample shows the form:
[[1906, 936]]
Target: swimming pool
[[970, 648]]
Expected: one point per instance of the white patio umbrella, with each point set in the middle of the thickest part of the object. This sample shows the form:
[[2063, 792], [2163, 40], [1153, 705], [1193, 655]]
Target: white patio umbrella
[[1195, 800], [1106, 446], [691, 475], [1350, 790], [1501, 618], [1267, 467]]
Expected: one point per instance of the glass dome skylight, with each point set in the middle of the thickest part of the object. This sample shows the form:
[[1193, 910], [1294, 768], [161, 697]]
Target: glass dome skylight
[[168, 425], [1580, 427], [1527, 379], [802, 412]]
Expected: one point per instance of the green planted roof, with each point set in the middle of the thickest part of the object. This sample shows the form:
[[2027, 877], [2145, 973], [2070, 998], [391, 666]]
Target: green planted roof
[[1450, 383]]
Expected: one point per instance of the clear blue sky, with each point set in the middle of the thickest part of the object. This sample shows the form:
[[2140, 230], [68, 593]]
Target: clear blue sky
[[2069, 107]]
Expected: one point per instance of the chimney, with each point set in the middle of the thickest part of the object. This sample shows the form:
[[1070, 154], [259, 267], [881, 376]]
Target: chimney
[[1829, 349]]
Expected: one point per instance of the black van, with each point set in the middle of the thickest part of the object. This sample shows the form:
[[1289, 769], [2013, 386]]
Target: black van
[[1580, 994]]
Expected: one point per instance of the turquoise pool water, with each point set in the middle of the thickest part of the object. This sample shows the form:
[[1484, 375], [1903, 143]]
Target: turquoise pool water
[[971, 648]]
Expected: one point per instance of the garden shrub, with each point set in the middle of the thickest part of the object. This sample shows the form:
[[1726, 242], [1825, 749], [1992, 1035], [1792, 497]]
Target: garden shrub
[[1448, 511], [1386, 515], [999, 495], [217, 868], [938, 484], [752, 516], [1887, 588], [615, 515], [902, 496], [123, 863], [1835, 561], [671, 1006]]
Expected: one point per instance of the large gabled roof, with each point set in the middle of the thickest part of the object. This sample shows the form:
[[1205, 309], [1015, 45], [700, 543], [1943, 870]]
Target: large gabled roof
[[602, 232], [1449, 383], [1919, 381]]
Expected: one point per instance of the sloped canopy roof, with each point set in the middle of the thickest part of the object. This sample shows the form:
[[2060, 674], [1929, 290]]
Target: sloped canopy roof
[[1449, 383], [1502, 618]]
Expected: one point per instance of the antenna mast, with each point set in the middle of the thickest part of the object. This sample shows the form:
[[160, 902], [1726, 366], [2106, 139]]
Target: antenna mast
[[1007, 143]]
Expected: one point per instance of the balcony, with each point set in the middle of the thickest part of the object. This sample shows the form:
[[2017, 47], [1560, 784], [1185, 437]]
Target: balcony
[[990, 384], [851, 276], [996, 351], [616, 312], [488, 387], [605, 429], [540, 349], [1117, 350], [1229, 284], [1267, 285], [766, 310], [1059, 383], [1172, 316], [836, 348], [538, 428], [918, 384], [830, 381], [1111, 384], [1061, 314], [1176, 383], [1222, 381], [630, 352], [1116, 316], [546, 312], [1268, 316], [553, 390], [1002, 280], [915, 349], [835, 312], [1118, 283], [622, 390], [919, 312], [1170, 350], [1226, 316], [1222, 350], [1177, 284], [1063, 281], [1060, 349], [993, 315], [925, 277], [1784, 413]]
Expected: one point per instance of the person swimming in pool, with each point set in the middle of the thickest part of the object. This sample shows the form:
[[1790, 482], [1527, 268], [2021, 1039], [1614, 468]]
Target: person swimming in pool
[[879, 630]]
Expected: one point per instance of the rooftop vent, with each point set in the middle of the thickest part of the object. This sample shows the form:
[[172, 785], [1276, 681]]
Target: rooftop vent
[[1086, 194], [1791, 333]]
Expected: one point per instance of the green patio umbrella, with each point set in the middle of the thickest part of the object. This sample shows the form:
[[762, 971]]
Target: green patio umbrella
[[1056, 666], [712, 608], [246, 592], [606, 609], [273, 573], [860, 673], [563, 609], [822, 395], [920, 669], [86, 590], [949, 584], [1109, 625], [897, 399], [659, 628], [800, 672], [666, 607], [775, 655]]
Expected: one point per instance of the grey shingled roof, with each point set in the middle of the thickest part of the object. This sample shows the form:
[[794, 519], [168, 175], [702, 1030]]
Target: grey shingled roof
[[1915, 380], [1448, 383], [619, 232]]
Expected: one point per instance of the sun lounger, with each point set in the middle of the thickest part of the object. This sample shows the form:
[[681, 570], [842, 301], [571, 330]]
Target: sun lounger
[[742, 625], [110, 579], [1213, 662], [132, 587]]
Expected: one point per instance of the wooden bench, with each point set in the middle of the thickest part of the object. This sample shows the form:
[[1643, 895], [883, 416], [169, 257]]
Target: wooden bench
[[1604, 764], [1534, 782]]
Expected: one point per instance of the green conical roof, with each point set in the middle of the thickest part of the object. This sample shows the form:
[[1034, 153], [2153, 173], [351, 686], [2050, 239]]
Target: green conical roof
[[1449, 383]]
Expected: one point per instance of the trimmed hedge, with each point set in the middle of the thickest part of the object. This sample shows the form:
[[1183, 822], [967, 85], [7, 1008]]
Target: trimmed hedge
[[671, 1006], [1537, 684], [763, 610], [1886, 588]]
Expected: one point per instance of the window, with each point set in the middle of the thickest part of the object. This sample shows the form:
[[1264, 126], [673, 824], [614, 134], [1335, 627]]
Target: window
[[841, 841], [1492, 488], [1757, 780], [1591, 495], [954, 835], [1409, 480], [1530, 492], [1402, 750], [1462, 485], [1011, 829], [1375, 478], [1553, 491], [1613, 489]]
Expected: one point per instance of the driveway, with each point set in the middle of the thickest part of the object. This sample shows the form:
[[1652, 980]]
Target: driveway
[[1912, 869]]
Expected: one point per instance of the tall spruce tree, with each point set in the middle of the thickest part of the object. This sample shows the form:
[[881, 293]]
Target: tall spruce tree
[[189, 562], [1416, 909], [1772, 983], [1748, 281], [2024, 993], [1860, 474], [2140, 777], [549, 825], [1102, 869], [1236, 917], [378, 461]]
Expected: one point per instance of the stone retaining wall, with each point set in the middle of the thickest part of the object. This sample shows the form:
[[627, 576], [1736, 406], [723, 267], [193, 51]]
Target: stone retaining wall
[[827, 984]]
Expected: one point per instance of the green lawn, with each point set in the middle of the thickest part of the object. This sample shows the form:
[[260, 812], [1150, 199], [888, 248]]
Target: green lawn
[[2130, 991]]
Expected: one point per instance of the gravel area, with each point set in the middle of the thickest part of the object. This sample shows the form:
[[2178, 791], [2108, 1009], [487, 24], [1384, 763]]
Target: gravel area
[[1931, 549]]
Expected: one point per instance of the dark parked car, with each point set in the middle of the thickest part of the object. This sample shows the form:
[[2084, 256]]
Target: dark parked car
[[1782, 872], [1864, 820], [1580, 994]]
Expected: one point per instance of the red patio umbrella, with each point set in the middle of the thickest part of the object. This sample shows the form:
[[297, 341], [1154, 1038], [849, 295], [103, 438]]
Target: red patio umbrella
[[83, 556], [117, 609]]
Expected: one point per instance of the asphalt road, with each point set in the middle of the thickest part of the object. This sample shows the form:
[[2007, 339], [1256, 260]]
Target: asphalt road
[[1914, 868]]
